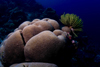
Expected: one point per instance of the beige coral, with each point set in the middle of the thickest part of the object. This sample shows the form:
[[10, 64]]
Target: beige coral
[[66, 29], [43, 47], [13, 48], [39, 40], [54, 23], [30, 31]]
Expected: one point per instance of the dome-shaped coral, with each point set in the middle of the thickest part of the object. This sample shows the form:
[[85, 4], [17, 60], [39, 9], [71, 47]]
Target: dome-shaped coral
[[54, 23], [44, 47], [36, 41]]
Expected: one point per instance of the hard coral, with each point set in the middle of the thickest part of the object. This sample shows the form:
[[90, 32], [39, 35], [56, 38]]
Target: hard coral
[[13, 45], [43, 47], [54, 23], [36, 41], [13, 49], [30, 31]]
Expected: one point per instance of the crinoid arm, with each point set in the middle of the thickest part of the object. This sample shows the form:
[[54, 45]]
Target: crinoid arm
[[72, 21]]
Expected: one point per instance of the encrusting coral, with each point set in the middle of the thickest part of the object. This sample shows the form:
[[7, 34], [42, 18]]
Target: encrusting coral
[[72, 21]]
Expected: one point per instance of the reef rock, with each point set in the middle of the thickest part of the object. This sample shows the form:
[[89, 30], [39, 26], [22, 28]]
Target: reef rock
[[34, 64]]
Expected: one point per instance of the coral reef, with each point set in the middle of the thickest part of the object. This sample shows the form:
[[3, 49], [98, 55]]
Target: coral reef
[[13, 22], [50, 33]]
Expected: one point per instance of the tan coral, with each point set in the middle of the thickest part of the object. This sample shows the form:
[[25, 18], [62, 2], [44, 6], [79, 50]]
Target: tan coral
[[66, 29], [30, 31], [24, 24], [43, 47], [57, 32], [45, 19], [41, 44], [35, 20], [61, 34], [1, 48], [54, 23], [13, 48], [45, 25]]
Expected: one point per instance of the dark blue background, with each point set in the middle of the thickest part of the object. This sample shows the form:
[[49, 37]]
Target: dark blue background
[[87, 10]]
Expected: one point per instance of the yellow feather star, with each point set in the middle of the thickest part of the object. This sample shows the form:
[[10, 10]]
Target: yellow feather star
[[72, 21]]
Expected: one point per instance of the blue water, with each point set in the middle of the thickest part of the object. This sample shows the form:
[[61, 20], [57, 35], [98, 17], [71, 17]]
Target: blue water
[[87, 10]]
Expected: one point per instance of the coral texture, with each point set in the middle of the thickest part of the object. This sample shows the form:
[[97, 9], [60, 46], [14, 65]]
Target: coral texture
[[12, 50], [43, 47], [38, 41]]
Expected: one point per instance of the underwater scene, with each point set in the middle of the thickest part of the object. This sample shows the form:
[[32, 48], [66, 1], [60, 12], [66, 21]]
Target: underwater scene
[[49, 33]]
